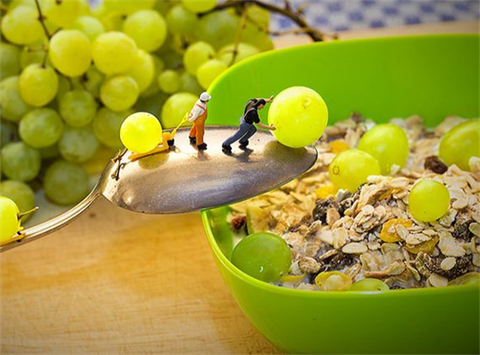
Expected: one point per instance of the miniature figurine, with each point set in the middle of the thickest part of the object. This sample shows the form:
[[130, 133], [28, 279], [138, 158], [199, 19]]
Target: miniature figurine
[[198, 116], [247, 124]]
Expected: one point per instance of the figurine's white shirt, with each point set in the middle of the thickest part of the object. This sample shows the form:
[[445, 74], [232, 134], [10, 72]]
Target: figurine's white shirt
[[197, 110]]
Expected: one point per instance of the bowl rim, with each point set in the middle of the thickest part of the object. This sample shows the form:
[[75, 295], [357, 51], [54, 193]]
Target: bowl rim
[[265, 286]]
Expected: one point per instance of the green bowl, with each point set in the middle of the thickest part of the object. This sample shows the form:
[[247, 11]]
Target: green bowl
[[433, 76]]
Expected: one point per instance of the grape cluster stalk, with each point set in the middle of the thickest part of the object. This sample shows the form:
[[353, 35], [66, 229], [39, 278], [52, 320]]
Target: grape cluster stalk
[[71, 74]]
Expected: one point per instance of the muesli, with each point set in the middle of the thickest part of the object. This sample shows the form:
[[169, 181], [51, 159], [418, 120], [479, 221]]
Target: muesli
[[370, 233]]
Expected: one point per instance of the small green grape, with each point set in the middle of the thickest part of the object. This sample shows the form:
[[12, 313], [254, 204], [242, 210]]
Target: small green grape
[[169, 81], [21, 194], [429, 200], [209, 71], [153, 88], [460, 144], [9, 133], [197, 54], [21, 26], [181, 21], [13, 106], [41, 127], [61, 13], [119, 93], [10, 223], [218, 28], [264, 256], [244, 50], [387, 143], [176, 107], [92, 81], [114, 53], [299, 115], [9, 60], [198, 6], [147, 28], [141, 132], [78, 145], [20, 162], [66, 183], [106, 126], [38, 85], [369, 284], [188, 83], [128, 6], [351, 168], [90, 26], [70, 52], [78, 108], [28, 57], [143, 70]]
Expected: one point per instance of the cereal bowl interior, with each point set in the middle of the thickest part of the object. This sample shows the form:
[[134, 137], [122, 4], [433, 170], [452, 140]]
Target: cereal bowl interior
[[432, 76]]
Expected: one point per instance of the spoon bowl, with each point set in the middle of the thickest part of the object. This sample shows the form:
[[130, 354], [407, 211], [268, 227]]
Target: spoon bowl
[[184, 179]]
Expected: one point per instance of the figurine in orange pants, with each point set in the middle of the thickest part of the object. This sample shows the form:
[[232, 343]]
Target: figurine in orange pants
[[198, 116]]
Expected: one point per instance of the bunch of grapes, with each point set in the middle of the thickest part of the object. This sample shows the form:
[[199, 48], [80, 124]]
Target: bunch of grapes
[[70, 75]]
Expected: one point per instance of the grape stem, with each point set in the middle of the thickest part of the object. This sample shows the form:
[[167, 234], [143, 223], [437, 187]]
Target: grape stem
[[41, 18], [287, 11], [238, 35]]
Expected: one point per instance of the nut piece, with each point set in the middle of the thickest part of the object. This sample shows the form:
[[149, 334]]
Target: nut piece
[[437, 280], [448, 263], [355, 248]]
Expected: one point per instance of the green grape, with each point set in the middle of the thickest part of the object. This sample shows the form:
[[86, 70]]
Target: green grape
[[180, 21], [28, 57], [176, 107], [119, 93], [141, 132], [299, 115], [20, 162], [163, 6], [41, 128], [114, 53], [61, 13], [218, 28], [460, 144], [8, 133], [256, 37], [152, 104], [78, 145], [198, 6], [106, 126], [84, 8], [169, 81], [50, 152], [92, 81], [177, 43], [21, 194], [197, 54], [9, 60], [429, 200], [78, 107], [259, 16], [147, 28], [38, 85], [143, 70], [153, 87], [244, 51], [64, 86], [264, 256], [66, 183], [13, 106], [90, 26], [387, 143], [188, 83], [16, 3], [128, 6], [208, 72], [369, 284], [10, 223], [70, 52], [351, 168], [112, 20], [21, 26]]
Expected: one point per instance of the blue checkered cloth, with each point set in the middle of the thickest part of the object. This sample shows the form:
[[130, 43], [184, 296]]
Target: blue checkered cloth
[[342, 15]]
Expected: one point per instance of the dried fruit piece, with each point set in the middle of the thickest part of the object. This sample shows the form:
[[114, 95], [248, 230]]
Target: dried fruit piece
[[426, 247], [389, 231], [434, 164], [338, 146], [326, 191], [333, 281], [321, 207]]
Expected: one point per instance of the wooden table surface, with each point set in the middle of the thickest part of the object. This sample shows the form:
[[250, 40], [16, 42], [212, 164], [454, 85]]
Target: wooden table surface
[[117, 282]]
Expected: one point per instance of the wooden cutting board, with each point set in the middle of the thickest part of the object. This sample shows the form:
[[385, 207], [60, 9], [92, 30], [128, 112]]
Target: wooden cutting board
[[117, 282]]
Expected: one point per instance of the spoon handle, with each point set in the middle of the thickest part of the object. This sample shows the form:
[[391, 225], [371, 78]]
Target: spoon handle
[[43, 229]]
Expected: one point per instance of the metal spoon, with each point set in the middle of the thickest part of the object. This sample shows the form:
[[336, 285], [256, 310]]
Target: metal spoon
[[184, 179]]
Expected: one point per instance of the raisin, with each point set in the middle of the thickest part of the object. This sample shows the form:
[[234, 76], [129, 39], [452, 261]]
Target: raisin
[[434, 164], [238, 222], [461, 267], [460, 227], [321, 207]]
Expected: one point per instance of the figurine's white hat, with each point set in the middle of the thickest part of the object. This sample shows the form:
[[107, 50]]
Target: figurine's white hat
[[205, 96]]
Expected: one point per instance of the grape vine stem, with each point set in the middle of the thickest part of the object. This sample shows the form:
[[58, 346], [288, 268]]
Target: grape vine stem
[[41, 18], [287, 11]]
